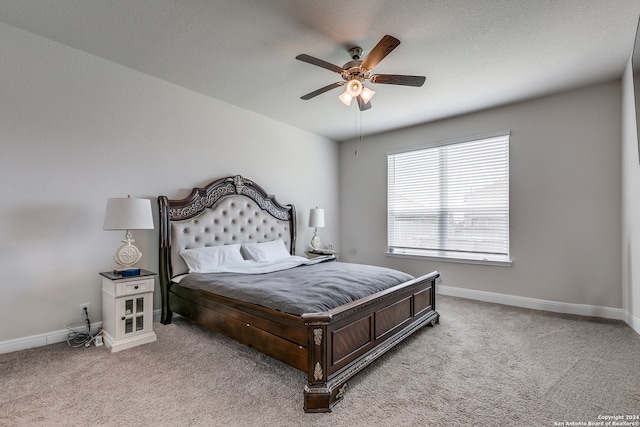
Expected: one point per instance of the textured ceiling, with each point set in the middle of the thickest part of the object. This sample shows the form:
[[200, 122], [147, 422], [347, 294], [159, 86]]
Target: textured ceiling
[[475, 54]]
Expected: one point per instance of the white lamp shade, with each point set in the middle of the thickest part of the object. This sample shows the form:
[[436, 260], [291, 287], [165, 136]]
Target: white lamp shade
[[316, 217], [354, 87], [345, 98], [367, 94], [128, 214]]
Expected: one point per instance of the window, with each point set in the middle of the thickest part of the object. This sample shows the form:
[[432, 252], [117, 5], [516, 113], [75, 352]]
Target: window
[[451, 200]]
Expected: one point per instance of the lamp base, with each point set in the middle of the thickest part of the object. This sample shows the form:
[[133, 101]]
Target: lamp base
[[127, 255], [315, 240]]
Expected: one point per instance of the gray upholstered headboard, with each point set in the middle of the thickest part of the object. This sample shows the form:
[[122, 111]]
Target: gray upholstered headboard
[[229, 210]]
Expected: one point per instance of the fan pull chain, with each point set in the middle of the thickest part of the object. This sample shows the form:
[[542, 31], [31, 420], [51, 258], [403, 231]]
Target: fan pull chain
[[358, 130]]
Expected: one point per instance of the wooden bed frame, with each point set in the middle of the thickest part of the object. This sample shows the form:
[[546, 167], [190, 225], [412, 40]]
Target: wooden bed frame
[[330, 347]]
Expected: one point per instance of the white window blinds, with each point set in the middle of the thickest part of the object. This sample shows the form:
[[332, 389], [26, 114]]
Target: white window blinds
[[451, 200]]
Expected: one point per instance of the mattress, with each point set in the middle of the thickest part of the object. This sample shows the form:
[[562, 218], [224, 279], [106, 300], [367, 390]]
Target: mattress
[[304, 289]]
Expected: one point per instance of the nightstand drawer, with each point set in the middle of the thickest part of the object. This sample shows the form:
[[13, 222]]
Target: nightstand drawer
[[134, 287]]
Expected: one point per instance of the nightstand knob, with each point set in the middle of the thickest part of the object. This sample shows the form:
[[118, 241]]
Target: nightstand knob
[[136, 287]]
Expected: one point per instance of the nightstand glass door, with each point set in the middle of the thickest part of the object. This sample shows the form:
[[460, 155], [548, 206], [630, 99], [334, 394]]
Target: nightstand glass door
[[133, 316]]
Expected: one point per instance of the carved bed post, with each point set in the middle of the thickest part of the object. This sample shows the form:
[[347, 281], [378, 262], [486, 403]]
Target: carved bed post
[[317, 395], [165, 259], [322, 390]]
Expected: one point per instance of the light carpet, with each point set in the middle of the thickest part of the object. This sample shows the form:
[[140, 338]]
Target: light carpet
[[483, 365]]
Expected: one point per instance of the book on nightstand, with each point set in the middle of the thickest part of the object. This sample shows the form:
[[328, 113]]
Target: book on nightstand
[[117, 274]]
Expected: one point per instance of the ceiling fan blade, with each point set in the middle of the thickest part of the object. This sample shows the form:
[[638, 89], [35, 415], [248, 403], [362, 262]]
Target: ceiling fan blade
[[397, 79], [319, 62], [382, 49], [322, 90], [362, 105]]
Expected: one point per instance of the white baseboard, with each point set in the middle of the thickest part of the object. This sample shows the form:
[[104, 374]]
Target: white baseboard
[[539, 304], [633, 321], [37, 340], [48, 337]]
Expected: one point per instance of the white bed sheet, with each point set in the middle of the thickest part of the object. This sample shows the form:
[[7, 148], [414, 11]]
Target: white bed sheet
[[254, 267]]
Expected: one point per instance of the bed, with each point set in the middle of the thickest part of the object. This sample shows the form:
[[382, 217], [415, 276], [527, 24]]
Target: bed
[[331, 346]]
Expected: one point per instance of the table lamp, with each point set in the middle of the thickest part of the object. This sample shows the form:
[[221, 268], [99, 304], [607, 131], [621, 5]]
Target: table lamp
[[128, 214], [316, 219]]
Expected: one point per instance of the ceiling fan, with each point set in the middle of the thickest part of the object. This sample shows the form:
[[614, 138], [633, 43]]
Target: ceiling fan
[[356, 71]]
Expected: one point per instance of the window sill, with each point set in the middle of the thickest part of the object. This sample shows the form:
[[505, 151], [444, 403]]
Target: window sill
[[444, 258]]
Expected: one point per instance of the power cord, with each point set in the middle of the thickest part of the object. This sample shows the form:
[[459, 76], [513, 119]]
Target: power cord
[[78, 338]]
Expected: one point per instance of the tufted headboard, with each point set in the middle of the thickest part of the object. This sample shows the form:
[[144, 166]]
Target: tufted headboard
[[228, 210]]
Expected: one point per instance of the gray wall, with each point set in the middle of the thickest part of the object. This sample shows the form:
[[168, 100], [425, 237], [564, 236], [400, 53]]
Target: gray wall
[[630, 205], [76, 129], [564, 198]]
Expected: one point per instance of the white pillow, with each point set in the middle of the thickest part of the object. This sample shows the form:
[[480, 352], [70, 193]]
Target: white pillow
[[274, 250], [203, 260]]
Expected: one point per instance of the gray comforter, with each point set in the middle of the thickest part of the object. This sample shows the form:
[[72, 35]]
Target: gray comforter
[[304, 289]]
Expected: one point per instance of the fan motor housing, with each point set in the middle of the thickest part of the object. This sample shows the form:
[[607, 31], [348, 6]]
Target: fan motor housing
[[353, 70]]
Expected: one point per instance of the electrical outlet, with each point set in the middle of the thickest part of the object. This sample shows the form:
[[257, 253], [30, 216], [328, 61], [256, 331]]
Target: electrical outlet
[[83, 306]]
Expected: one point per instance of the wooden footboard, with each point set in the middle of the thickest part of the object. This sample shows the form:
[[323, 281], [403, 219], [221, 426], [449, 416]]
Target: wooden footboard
[[344, 341]]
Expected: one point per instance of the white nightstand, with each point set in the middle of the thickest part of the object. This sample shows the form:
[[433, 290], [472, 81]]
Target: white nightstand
[[127, 309]]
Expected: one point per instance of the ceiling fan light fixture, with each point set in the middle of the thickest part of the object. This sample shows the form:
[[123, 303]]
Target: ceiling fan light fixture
[[357, 71], [345, 98], [367, 94], [354, 87]]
